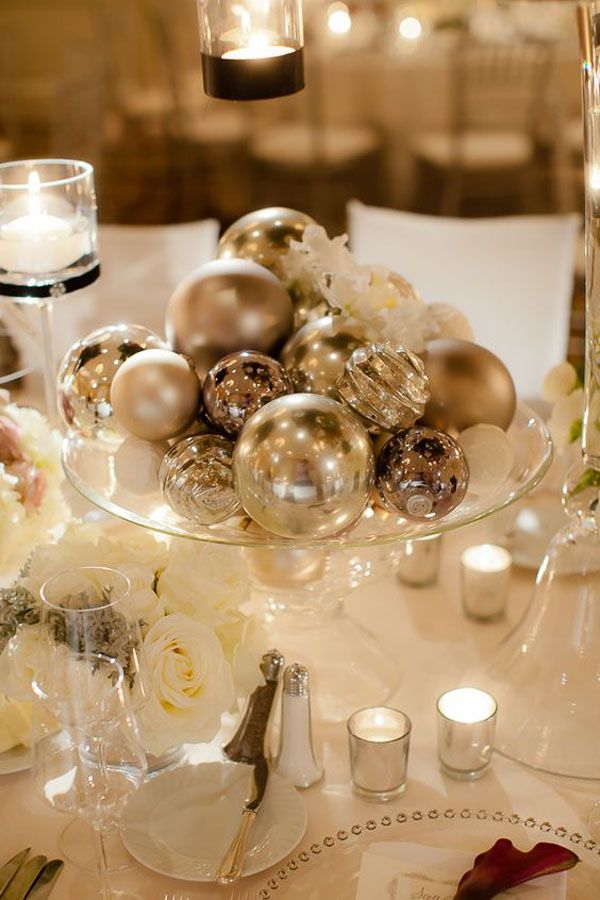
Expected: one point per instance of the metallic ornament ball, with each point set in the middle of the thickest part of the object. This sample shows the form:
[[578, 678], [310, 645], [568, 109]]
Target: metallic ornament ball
[[239, 384], [264, 236], [469, 385], [422, 473], [197, 479], [155, 395], [304, 467], [228, 305], [86, 374], [316, 355]]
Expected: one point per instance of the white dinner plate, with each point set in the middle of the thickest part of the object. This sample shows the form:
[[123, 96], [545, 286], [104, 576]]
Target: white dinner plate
[[17, 759], [181, 823]]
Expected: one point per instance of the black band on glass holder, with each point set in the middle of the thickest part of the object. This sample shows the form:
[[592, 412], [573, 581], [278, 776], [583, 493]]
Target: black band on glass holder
[[51, 290]]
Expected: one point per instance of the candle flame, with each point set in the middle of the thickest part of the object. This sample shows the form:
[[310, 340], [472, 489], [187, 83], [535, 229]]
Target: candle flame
[[33, 186]]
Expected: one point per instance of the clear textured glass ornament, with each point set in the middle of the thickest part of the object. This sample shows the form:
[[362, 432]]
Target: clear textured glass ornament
[[197, 480]]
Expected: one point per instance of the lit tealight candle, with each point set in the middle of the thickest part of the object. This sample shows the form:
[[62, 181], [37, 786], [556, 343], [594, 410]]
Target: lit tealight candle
[[485, 580], [38, 243], [466, 719], [379, 740]]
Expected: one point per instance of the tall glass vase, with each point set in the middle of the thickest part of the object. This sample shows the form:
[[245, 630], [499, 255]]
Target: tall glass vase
[[546, 674]]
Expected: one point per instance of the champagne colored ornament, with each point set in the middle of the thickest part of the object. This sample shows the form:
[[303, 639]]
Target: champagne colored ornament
[[228, 305], [450, 322], [469, 386], [240, 384], [197, 479], [315, 356], [422, 473], [264, 235], [386, 386], [304, 467], [490, 457], [155, 394], [86, 373]]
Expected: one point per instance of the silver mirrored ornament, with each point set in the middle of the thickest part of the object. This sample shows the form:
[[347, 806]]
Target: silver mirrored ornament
[[155, 395], [228, 305], [316, 355], [422, 473], [197, 479], [264, 236], [239, 384], [304, 467], [87, 370], [386, 386]]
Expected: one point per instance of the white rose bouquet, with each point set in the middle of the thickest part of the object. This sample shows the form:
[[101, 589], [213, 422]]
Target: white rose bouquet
[[202, 650], [31, 500]]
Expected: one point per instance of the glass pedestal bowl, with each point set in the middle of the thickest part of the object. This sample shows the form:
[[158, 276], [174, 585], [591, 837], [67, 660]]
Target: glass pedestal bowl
[[302, 585]]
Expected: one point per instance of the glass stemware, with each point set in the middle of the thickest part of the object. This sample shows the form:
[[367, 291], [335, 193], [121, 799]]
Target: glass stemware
[[87, 756]]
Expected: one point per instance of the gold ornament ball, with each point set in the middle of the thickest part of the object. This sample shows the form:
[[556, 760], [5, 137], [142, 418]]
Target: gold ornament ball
[[469, 385], [304, 467], [228, 305], [316, 355], [264, 235], [155, 394]]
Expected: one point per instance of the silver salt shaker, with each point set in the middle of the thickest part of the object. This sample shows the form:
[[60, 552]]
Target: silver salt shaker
[[296, 759]]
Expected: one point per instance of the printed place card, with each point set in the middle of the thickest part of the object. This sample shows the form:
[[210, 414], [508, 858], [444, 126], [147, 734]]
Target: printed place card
[[402, 871]]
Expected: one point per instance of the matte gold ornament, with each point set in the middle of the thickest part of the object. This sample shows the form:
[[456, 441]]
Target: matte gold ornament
[[86, 374], [228, 305], [386, 386], [155, 394], [264, 236], [304, 467], [422, 474], [469, 385], [316, 355], [239, 384]]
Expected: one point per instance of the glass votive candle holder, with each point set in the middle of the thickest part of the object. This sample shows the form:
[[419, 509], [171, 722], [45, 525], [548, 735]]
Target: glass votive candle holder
[[48, 229], [420, 561], [485, 573], [466, 724], [379, 740]]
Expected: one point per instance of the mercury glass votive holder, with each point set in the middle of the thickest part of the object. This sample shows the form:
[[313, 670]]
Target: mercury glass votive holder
[[485, 573], [466, 724], [379, 741], [419, 565]]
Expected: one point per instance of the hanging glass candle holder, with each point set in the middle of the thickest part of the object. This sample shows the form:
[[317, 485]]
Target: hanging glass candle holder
[[251, 49]]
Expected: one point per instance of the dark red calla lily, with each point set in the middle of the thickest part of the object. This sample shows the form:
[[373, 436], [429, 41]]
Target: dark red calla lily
[[503, 866]]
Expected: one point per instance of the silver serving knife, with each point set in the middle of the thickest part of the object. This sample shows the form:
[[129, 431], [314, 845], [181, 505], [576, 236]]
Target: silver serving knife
[[10, 869], [230, 868], [23, 880], [45, 880]]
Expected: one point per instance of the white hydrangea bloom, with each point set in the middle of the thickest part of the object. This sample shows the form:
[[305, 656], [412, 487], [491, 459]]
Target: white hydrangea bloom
[[559, 382]]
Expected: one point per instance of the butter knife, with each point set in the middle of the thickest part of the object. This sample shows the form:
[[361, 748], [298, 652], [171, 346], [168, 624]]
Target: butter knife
[[230, 868], [29, 871], [45, 880], [10, 869]]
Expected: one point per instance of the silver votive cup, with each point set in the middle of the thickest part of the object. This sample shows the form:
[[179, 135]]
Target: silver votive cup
[[420, 562], [466, 724], [485, 573], [379, 740]]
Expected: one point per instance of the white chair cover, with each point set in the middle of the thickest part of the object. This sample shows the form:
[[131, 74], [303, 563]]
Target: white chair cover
[[513, 276]]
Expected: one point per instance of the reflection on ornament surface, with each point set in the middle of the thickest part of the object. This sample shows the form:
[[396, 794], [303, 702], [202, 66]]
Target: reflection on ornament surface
[[197, 479], [315, 356]]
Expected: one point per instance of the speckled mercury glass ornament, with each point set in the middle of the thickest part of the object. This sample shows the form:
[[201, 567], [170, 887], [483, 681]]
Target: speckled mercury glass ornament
[[241, 383], [315, 356], [197, 480], [86, 373], [422, 473], [386, 386], [304, 466]]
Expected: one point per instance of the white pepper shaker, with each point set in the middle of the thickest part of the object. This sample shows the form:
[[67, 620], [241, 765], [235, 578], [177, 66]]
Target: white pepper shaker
[[296, 759]]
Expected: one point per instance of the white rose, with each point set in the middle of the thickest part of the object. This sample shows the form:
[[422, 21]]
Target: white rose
[[192, 684], [243, 641], [20, 661], [202, 581], [567, 412], [559, 382], [15, 723]]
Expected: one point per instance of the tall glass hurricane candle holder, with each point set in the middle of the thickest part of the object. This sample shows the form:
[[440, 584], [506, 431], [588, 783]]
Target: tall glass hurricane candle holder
[[251, 50], [48, 239]]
